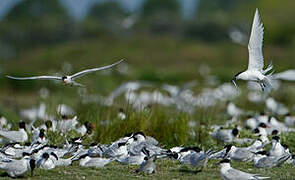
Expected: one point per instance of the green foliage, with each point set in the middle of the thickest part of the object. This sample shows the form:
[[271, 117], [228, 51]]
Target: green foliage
[[161, 48], [164, 7]]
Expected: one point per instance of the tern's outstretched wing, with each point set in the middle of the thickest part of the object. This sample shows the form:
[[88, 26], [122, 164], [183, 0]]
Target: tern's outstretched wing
[[255, 44], [82, 73], [36, 77], [288, 75]]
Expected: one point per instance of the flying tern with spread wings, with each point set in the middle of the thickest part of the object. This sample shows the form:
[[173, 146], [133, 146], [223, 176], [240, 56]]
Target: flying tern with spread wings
[[68, 80], [255, 70]]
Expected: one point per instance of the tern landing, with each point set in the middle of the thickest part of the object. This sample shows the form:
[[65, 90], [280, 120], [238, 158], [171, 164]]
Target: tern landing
[[68, 80], [255, 70]]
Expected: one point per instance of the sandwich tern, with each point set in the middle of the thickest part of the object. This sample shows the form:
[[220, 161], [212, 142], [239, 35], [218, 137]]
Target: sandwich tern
[[229, 173], [39, 136], [289, 120], [148, 166], [17, 168], [277, 149], [263, 160], [68, 80], [255, 70], [19, 136], [239, 154], [225, 135], [47, 161], [86, 161]]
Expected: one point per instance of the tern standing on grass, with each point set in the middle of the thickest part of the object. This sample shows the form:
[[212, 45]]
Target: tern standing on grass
[[255, 72]]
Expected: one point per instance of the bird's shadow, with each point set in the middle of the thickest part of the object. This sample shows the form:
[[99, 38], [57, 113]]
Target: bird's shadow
[[189, 171], [4, 174]]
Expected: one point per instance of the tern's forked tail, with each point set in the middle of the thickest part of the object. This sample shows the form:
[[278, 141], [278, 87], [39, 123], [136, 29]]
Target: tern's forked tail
[[267, 86], [268, 69]]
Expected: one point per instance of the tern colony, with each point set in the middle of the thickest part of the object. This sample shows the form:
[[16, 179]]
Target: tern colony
[[17, 155]]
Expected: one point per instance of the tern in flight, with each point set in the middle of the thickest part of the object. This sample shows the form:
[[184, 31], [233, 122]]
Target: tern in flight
[[255, 72], [68, 80]]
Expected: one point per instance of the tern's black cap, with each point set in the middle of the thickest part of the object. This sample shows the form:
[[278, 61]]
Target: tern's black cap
[[285, 146], [262, 152], [263, 125], [277, 138], [54, 155], [235, 131], [140, 132], [27, 144], [83, 156], [45, 155], [22, 125], [256, 131], [26, 154], [42, 133], [128, 134], [224, 161], [195, 148], [122, 144], [275, 132], [259, 140], [228, 147], [173, 155]]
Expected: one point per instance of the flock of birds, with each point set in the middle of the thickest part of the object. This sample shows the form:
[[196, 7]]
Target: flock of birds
[[17, 156]]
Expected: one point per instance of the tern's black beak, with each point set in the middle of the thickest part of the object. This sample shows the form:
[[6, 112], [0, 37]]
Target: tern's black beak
[[234, 82]]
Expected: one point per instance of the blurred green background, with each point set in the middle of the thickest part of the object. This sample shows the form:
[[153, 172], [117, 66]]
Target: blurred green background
[[162, 41]]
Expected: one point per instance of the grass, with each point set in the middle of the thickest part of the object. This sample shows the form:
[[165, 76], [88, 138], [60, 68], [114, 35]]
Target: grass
[[166, 169], [157, 60]]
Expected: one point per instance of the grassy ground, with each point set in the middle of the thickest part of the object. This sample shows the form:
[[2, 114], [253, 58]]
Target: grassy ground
[[157, 60], [167, 169]]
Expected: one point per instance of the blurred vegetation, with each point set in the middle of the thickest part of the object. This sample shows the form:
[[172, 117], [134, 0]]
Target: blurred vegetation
[[39, 37]]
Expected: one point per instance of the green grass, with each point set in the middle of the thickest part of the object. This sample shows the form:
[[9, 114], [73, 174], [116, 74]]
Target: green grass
[[154, 59], [166, 169]]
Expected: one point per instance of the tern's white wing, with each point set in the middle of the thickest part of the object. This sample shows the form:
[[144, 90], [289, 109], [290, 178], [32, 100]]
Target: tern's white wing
[[255, 44], [15, 165], [36, 77], [98, 162], [237, 174], [288, 75], [82, 73], [15, 136]]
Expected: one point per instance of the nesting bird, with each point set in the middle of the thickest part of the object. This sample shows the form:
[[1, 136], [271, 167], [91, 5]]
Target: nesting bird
[[229, 173], [19, 136]]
